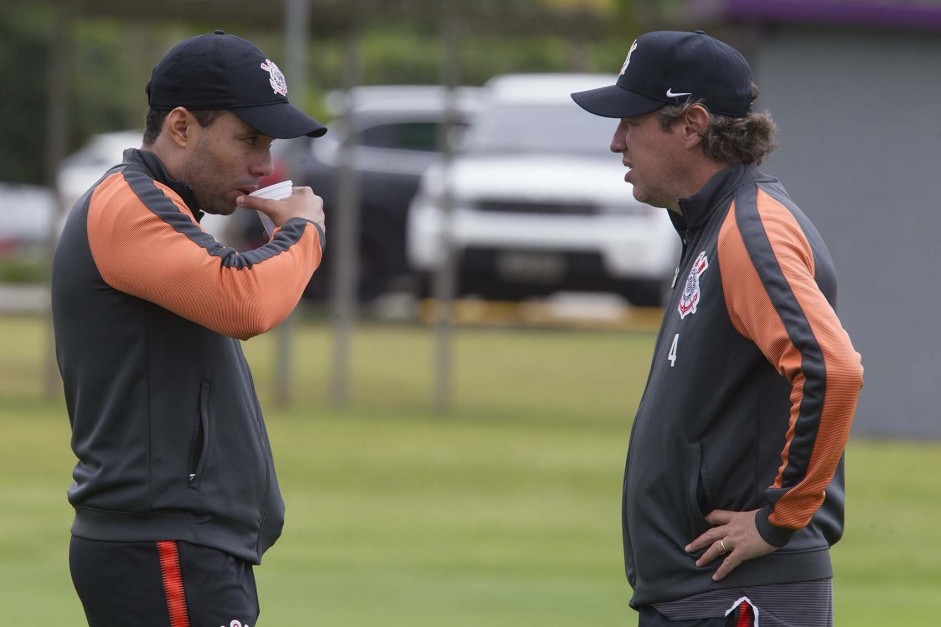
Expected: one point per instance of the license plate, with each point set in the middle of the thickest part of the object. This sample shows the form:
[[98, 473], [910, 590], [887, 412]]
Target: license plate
[[530, 267]]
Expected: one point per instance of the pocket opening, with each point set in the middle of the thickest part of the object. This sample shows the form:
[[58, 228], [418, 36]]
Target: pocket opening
[[200, 443]]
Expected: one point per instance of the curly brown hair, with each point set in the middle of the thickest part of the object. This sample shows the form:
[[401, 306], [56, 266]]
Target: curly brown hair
[[748, 139]]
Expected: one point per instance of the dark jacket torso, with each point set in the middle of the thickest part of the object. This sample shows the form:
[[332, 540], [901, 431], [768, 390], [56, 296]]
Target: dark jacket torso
[[166, 424], [749, 400]]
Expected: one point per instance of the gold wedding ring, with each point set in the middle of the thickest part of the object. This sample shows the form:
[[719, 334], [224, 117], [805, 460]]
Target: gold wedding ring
[[722, 544]]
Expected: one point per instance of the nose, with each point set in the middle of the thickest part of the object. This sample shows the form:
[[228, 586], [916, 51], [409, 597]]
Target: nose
[[263, 166], [617, 140]]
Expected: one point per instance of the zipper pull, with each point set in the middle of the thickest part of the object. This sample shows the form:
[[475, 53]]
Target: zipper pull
[[192, 477], [675, 276]]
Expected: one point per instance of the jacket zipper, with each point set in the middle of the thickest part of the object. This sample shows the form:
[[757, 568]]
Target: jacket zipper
[[200, 443], [676, 274]]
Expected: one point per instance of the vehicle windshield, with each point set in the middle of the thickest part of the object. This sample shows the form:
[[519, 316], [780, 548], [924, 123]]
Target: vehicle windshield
[[542, 128]]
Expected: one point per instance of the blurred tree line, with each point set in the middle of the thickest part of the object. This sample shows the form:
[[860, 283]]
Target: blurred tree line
[[101, 96], [111, 63]]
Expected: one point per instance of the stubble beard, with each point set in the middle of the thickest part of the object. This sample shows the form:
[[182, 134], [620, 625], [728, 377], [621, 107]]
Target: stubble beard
[[203, 179], [651, 199]]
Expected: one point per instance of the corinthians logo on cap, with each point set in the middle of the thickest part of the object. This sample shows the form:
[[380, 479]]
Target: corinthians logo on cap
[[278, 83], [628, 59]]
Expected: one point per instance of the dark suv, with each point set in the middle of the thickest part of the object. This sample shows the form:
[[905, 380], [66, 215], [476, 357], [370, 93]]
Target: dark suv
[[397, 139]]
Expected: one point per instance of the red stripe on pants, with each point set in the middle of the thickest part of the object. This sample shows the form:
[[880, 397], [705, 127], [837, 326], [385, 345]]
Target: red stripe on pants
[[746, 617], [173, 583]]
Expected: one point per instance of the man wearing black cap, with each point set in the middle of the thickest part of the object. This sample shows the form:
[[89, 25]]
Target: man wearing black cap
[[175, 492], [733, 490]]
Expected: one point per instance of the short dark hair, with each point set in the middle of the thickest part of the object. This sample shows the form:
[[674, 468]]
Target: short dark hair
[[155, 118], [747, 139]]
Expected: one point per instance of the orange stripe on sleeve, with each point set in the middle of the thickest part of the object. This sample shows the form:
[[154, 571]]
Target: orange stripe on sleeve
[[138, 252], [754, 316]]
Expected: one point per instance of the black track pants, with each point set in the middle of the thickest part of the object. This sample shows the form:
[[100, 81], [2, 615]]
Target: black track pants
[[162, 584]]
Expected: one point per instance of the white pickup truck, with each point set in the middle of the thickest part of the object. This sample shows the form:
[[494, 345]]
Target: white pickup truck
[[540, 204]]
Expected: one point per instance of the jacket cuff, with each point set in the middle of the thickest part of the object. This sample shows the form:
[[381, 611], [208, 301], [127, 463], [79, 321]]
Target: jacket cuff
[[775, 536], [323, 235]]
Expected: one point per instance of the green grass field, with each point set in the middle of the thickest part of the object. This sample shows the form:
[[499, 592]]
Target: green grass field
[[504, 511]]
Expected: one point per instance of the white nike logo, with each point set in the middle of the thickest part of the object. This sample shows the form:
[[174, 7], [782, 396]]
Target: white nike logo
[[672, 94]]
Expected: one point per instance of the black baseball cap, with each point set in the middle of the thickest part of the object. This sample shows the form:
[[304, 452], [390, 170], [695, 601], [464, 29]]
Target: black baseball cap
[[221, 71], [670, 67]]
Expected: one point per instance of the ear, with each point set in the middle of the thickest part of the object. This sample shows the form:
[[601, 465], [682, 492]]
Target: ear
[[178, 127], [695, 123]]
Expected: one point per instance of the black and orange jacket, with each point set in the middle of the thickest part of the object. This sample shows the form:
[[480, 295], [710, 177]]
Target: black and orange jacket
[[750, 397], [148, 310]]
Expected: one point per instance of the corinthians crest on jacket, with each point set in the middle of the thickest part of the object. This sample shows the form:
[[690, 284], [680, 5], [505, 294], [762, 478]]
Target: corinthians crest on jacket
[[692, 291]]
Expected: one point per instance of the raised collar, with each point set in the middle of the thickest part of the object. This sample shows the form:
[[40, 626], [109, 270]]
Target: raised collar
[[154, 166], [698, 208]]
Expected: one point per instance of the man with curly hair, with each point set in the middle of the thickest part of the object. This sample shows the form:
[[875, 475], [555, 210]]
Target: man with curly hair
[[733, 488]]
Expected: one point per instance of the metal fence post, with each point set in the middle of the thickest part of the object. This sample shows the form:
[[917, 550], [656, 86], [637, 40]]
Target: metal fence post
[[445, 278], [57, 132], [345, 270], [296, 33]]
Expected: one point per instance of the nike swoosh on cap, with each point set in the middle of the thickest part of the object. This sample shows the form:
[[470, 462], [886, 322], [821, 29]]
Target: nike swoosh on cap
[[673, 94]]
